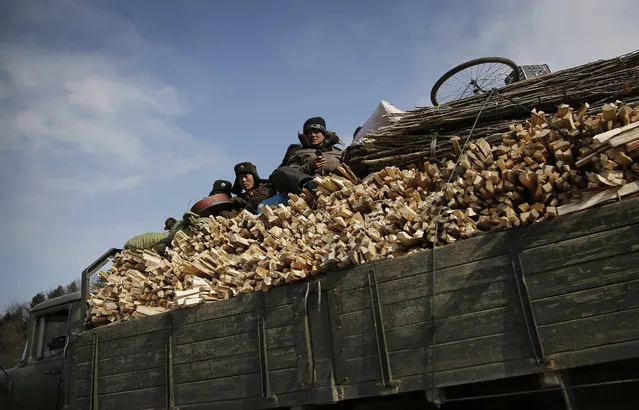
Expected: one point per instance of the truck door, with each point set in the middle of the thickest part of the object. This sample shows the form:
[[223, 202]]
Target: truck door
[[36, 384]]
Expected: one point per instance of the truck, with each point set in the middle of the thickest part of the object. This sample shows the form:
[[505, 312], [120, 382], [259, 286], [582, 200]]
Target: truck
[[540, 316]]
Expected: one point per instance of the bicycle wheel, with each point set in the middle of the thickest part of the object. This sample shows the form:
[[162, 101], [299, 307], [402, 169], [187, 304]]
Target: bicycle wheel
[[474, 77]]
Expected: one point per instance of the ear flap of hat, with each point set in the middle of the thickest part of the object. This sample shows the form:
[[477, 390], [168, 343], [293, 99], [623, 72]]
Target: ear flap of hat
[[303, 139], [332, 138], [237, 188]]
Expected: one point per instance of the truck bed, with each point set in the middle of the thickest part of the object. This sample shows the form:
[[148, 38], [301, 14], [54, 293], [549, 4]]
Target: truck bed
[[555, 295]]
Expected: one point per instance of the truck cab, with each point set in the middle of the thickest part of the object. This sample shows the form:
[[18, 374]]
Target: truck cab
[[39, 380]]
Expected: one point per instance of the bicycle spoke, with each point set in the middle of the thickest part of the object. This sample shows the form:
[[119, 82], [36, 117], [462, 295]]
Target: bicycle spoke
[[463, 92]]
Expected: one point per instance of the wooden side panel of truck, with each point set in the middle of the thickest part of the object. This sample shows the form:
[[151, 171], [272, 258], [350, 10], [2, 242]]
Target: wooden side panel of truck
[[556, 295]]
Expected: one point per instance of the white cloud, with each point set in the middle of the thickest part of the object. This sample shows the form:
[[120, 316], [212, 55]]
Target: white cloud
[[81, 106], [562, 34]]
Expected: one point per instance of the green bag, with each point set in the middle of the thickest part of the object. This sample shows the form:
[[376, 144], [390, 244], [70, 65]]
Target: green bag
[[189, 220], [146, 241]]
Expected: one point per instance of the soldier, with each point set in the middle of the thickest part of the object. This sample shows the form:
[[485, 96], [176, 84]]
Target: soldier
[[249, 188], [221, 187], [316, 156]]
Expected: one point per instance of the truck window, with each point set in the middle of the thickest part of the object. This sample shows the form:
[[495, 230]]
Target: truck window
[[51, 334]]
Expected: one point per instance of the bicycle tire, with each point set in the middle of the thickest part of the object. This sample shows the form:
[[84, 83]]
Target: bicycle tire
[[467, 64]]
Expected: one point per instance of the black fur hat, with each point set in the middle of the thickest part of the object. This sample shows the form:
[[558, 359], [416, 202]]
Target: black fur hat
[[168, 224], [222, 186]]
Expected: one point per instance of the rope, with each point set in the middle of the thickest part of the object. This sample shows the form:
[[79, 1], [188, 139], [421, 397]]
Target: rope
[[434, 268]]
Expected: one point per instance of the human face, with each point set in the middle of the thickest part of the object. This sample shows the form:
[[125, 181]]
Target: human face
[[315, 137], [247, 181]]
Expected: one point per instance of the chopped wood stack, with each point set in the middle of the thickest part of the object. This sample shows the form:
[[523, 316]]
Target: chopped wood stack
[[425, 133], [538, 170]]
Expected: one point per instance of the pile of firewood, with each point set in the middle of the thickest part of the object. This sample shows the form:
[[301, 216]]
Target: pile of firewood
[[425, 133], [547, 166]]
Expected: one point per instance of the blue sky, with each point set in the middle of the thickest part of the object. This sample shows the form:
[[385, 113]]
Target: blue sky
[[117, 114]]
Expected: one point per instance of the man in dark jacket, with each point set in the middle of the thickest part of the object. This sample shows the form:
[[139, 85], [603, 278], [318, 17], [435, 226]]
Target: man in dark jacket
[[316, 156], [249, 188]]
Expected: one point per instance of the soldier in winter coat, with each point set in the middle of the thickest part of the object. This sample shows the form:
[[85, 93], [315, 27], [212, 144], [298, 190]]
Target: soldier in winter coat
[[249, 188], [317, 155]]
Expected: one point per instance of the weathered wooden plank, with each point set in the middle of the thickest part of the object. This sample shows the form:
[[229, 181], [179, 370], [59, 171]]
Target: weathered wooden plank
[[233, 345], [215, 328], [471, 274], [585, 303], [470, 250], [352, 278], [285, 358], [590, 332], [410, 287], [417, 286], [582, 249], [467, 251], [284, 295], [592, 274], [224, 388], [354, 323], [470, 352], [387, 270], [351, 300], [485, 323], [206, 311], [284, 381], [154, 341], [359, 369], [125, 382], [123, 364], [483, 350], [282, 315], [487, 372], [121, 330], [457, 328], [595, 355], [477, 298], [154, 398], [356, 346], [407, 313], [586, 222], [409, 337]]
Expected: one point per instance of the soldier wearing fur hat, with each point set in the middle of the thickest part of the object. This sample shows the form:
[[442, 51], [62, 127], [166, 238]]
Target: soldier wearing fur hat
[[317, 155], [249, 188], [221, 186]]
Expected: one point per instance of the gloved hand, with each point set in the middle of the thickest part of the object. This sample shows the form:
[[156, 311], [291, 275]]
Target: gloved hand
[[317, 163], [238, 202]]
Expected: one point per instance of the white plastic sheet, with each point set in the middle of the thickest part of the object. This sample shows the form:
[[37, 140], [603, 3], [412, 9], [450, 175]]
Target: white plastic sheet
[[381, 117]]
